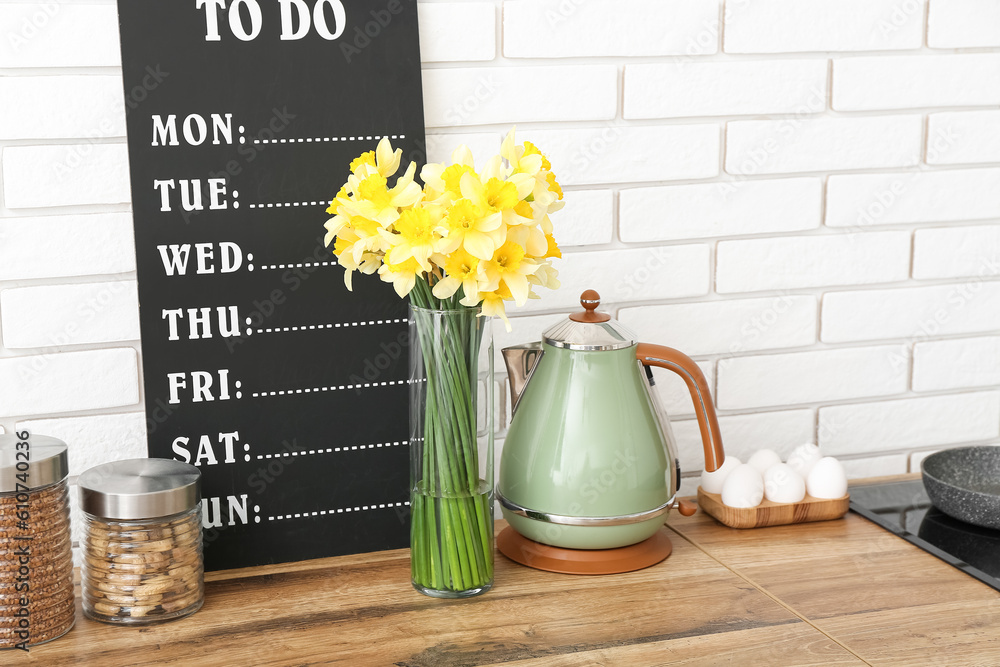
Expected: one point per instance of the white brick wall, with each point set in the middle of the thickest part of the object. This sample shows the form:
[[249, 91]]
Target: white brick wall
[[745, 434], [96, 439], [68, 381], [824, 144], [483, 95], [812, 261], [720, 209], [908, 313], [639, 274], [811, 377], [875, 466], [618, 153], [957, 363], [706, 328], [101, 243], [482, 144], [586, 219], [811, 208], [65, 175], [784, 26], [59, 34], [70, 314], [860, 201], [61, 107], [457, 31], [908, 82], [963, 136], [957, 252], [566, 28], [671, 90], [910, 422], [963, 23]]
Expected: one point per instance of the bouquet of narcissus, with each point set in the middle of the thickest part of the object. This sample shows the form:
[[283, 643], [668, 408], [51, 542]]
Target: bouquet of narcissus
[[459, 247], [464, 239]]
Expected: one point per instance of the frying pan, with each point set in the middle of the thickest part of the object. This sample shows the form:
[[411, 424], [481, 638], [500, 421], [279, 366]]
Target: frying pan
[[964, 483]]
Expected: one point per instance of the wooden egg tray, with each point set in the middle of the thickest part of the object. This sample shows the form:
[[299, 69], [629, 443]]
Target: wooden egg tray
[[770, 513]]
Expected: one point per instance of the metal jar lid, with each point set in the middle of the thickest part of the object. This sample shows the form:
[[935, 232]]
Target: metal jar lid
[[139, 489], [47, 462], [589, 330]]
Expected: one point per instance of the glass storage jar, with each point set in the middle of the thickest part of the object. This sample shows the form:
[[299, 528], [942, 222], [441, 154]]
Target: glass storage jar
[[36, 556], [142, 547]]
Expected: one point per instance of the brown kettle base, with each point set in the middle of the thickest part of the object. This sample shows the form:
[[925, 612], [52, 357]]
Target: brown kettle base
[[521, 550]]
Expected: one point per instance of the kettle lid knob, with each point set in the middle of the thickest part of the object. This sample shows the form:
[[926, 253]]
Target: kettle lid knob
[[590, 300]]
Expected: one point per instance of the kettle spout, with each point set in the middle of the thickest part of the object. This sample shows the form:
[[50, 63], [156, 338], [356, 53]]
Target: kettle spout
[[520, 361]]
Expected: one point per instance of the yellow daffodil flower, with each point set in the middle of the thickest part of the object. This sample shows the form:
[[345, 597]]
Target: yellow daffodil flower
[[553, 250], [531, 238], [375, 200], [492, 196], [345, 249], [468, 226], [414, 236], [403, 276], [460, 270], [386, 160], [528, 160], [500, 195], [492, 305], [383, 159], [345, 240], [520, 160], [509, 268], [341, 197], [554, 186], [531, 149], [365, 158], [488, 233], [545, 276], [441, 183], [334, 226]]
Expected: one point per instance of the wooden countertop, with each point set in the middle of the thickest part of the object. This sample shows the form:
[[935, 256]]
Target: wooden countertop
[[842, 592]]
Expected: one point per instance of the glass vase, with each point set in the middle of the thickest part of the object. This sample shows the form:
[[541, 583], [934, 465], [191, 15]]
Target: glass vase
[[451, 452]]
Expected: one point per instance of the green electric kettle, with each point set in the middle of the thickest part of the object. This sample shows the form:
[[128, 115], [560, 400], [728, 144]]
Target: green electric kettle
[[589, 461]]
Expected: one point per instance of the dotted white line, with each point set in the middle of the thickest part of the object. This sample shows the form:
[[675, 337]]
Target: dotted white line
[[300, 265], [288, 204], [322, 139], [288, 392], [339, 510], [335, 325], [332, 450]]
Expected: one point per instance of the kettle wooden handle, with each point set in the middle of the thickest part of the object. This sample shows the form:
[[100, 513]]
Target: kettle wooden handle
[[683, 365]]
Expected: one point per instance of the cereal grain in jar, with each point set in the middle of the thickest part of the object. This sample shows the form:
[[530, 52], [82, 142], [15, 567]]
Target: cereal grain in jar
[[36, 558]]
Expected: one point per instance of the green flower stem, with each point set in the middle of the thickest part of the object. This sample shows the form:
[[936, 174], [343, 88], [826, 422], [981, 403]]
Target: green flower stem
[[455, 524], [431, 562], [451, 526]]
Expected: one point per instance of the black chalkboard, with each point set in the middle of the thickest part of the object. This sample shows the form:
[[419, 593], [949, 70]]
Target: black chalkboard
[[259, 366]]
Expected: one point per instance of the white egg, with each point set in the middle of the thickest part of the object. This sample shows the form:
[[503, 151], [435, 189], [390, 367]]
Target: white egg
[[744, 487], [712, 482], [827, 479], [803, 458], [763, 459], [783, 485]]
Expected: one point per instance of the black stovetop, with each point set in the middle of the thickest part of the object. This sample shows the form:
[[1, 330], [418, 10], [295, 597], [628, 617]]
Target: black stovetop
[[904, 509]]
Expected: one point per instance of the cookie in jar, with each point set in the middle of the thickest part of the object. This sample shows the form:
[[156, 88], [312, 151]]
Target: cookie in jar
[[142, 541]]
